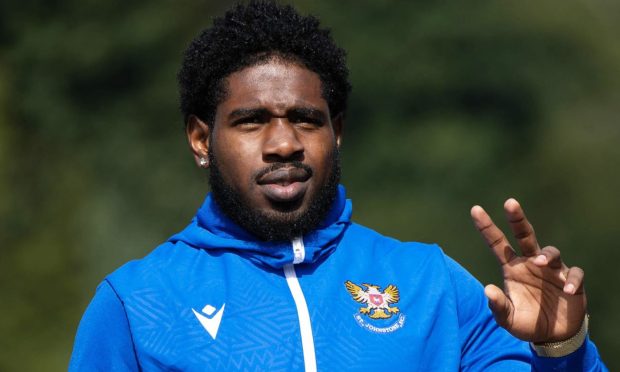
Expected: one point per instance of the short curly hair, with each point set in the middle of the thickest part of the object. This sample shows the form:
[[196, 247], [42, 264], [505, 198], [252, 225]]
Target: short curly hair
[[250, 34]]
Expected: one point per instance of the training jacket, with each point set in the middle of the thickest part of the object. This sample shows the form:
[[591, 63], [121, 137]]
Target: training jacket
[[342, 298]]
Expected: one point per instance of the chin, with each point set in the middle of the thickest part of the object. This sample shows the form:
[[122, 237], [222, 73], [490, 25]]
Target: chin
[[289, 208]]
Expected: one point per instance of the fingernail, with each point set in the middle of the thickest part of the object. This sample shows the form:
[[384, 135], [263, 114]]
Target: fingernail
[[569, 288], [540, 260]]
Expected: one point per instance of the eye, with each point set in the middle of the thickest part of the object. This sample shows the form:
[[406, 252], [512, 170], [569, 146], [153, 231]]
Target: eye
[[311, 121], [250, 120]]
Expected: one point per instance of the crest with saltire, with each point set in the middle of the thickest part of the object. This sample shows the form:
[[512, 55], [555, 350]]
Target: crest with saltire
[[377, 302]]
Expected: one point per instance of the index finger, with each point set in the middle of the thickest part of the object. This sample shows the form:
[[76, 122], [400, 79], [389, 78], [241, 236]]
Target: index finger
[[521, 228], [492, 235]]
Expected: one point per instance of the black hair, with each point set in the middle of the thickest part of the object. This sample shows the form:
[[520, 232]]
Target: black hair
[[250, 34]]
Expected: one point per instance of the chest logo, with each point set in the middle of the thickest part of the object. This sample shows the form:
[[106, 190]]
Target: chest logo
[[210, 319], [377, 305]]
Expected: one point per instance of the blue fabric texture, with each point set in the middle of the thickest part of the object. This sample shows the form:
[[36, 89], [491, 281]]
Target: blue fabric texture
[[150, 314]]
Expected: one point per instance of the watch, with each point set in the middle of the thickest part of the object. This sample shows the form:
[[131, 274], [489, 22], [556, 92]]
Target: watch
[[563, 348]]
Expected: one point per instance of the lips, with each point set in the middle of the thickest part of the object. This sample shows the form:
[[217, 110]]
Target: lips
[[284, 184]]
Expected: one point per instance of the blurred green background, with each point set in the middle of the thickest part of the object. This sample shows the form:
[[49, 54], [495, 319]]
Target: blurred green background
[[454, 103]]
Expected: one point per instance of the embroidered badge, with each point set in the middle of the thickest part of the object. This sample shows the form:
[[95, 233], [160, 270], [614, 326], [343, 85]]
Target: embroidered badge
[[377, 306]]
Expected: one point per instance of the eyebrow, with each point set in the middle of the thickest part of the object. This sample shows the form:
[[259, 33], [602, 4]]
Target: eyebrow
[[308, 112], [299, 111], [244, 112]]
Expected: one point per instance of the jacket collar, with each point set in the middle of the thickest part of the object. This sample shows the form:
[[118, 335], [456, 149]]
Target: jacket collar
[[211, 230]]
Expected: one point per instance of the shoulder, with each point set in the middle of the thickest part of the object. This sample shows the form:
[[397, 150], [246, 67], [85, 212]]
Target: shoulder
[[427, 259], [150, 270], [152, 261], [362, 246], [103, 341], [361, 236]]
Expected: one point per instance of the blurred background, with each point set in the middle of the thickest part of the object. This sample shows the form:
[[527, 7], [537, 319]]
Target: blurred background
[[454, 104]]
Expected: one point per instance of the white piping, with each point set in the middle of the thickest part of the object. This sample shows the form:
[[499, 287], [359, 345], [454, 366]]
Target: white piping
[[305, 327]]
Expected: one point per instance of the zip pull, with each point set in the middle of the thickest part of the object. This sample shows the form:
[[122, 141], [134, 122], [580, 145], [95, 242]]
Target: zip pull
[[299, 251]]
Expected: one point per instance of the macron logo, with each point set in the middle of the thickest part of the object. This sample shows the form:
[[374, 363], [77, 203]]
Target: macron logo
[[211, 319]]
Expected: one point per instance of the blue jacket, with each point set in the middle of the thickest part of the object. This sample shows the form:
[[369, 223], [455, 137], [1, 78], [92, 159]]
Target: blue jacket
[[341, 298]]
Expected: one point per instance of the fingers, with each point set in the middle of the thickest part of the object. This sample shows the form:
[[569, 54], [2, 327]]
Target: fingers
[[500, 305], [492, 235], [574, 280], [521, 228], [549, 256]]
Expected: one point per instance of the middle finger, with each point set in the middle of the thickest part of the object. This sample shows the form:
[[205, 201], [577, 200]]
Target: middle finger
[[522, 229]]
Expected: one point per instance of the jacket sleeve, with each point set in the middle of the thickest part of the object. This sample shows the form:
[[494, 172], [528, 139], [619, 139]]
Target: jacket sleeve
[[487, 346], [103, 341]]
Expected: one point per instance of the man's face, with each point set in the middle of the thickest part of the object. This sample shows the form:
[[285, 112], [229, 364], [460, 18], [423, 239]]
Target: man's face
[[273, 150]]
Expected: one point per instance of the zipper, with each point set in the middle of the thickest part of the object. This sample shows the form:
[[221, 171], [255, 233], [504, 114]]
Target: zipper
[[305, 327], [299, 252]]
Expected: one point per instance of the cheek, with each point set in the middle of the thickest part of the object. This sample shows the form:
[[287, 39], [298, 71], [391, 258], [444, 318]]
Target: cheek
[[236, 160], [322, 158]]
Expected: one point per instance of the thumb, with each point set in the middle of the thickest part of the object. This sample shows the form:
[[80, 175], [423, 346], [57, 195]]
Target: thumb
[[500, 305]]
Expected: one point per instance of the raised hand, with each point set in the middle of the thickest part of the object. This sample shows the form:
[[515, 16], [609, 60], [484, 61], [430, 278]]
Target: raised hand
[[543, 300]]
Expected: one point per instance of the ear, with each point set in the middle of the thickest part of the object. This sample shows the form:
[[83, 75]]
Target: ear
[[198, 133], [338, 126]]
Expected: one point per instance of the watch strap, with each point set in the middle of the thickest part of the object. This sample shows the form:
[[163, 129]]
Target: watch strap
[[563, 348]]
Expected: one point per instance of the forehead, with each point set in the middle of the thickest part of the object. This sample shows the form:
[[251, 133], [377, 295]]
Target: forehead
[[274, 83]]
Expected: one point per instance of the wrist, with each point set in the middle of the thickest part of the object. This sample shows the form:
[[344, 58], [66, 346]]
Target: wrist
[[563, 348]]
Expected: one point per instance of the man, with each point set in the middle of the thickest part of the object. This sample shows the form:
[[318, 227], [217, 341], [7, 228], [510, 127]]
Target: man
[[272, 274]]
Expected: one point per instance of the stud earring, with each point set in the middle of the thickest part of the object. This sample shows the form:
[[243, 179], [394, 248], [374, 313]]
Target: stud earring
[[203, 162]]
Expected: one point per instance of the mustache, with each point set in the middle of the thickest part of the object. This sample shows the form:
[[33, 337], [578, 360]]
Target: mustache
[[275, 166]]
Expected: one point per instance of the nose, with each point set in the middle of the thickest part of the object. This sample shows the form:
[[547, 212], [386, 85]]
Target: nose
[[282, 142]]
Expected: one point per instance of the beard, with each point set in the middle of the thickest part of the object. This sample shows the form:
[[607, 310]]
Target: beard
[[286, 221]]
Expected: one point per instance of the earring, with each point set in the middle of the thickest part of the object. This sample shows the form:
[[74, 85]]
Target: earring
[[203, 162]]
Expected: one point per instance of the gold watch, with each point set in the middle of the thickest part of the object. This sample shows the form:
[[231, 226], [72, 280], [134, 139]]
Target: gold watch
[[563, 348]]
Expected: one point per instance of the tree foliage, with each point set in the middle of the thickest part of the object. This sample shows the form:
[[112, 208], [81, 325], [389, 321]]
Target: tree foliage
[[452, 105]]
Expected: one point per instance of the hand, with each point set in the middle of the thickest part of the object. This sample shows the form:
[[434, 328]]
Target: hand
[[543, 300]]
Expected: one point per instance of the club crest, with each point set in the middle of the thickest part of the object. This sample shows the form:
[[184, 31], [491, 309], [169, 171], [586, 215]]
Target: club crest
[[377, 305]]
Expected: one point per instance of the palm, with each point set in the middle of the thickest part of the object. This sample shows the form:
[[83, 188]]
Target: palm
[[543, 300]]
